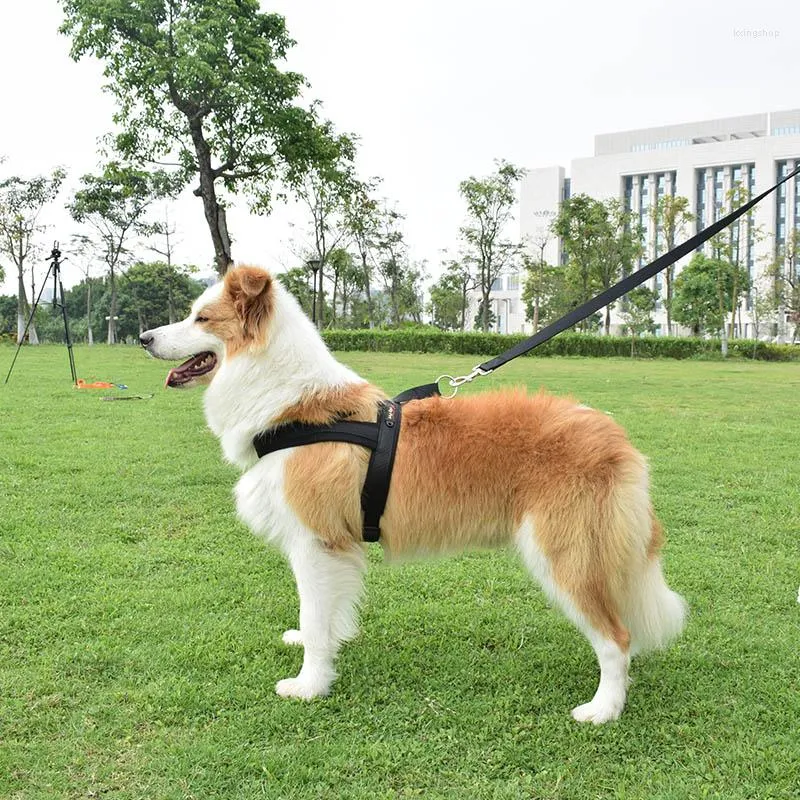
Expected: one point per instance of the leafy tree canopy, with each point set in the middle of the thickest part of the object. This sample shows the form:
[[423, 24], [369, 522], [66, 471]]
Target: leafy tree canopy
[[198, 84]]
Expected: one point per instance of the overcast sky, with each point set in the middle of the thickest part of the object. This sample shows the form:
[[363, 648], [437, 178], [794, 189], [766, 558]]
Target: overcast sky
[[435, 90]]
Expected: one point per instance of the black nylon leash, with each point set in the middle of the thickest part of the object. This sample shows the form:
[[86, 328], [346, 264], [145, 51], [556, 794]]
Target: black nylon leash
[[617, 290]]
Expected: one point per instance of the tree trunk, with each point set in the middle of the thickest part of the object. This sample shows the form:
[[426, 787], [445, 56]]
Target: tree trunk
[[89, 334], [23, 313], [485, 311], [170, 301], [668, 304], [320, 300], [214, 212], [367, 289], [112, 311], [608, 321]]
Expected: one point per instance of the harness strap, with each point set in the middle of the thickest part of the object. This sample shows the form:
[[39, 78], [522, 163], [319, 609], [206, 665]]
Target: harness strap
[[380, 437], [379, 471], [299, 433]]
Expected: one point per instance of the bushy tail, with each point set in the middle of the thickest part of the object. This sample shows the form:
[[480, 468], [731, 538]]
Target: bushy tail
[[654, 614]]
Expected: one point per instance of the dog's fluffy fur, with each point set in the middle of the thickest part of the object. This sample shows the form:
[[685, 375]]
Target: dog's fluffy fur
[[559, 481]]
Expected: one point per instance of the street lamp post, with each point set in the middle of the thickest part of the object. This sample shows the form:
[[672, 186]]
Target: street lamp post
[[314, 264]]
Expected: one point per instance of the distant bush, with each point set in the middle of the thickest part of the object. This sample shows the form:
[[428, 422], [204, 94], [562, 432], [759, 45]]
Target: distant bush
[[566, 344]]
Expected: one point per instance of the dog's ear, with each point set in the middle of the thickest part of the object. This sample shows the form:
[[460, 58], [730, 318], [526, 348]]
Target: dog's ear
[[250, 290]]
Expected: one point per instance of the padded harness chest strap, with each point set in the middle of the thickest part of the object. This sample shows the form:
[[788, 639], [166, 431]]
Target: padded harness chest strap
[[380, 437]]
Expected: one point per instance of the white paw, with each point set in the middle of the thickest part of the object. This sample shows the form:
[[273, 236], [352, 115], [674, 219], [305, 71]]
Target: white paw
[[299, 688], [597, 713], [292, 637]]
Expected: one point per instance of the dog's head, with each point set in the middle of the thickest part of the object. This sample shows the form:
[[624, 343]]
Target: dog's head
[[228, 318]]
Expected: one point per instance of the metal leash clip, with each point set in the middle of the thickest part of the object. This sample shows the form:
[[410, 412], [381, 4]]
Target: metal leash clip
[[456, 382]]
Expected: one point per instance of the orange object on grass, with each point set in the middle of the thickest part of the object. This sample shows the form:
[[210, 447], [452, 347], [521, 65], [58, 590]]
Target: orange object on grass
[[81, 384]]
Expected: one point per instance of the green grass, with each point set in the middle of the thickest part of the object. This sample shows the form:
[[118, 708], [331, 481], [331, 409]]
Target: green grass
[[140, 622]]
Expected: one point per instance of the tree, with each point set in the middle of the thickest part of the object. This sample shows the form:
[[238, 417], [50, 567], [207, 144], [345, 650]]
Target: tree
[[617, 248], [198, 86], [535, 285], [391, 259], [8, 313], [581, 224], [21, 202], [84, 250], [638, 306], [363, 220], [323, 192], [152, 292], [484, 316], [783, 293], [490, 201], [602, 242], [730, 245], [410, 294], [296, 281], [671, 215], [545, 292], [348, 283], [450, 296], [114, 205], [703, 293]]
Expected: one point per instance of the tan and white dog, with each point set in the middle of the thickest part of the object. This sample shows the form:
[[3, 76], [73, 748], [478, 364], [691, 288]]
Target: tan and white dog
[[559, 481]]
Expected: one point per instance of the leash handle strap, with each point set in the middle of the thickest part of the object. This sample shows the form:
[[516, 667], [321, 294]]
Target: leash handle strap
[[626, 284]]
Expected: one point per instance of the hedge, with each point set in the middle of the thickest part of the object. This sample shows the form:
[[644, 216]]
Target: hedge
[[566, 344]]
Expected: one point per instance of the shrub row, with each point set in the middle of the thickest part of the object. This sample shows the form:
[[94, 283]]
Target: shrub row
[[566, 344]]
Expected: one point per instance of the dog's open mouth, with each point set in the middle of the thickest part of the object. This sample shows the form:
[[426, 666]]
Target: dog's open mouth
[[192, 368]]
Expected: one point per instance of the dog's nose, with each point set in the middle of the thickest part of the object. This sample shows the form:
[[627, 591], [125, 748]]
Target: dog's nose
[[146, 339]]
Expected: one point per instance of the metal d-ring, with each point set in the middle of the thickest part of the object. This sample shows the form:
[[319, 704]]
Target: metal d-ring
[[451, 381], [457, 383]]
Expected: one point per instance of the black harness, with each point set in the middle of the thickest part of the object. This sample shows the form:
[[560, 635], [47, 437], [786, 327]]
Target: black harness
[[380, 437]]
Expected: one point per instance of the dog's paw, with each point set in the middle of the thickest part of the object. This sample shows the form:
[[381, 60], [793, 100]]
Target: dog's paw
[[292, 637], [596, 713], [299, 688]]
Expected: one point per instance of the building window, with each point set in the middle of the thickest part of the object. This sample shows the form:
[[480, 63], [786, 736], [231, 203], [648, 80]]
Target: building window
[[644, 215], [627, 193], [719, 192], [751, 261], [701, 199], [513, 283], [797, 199], [567, 189], [497, 285], [780, 208], [661, 190]]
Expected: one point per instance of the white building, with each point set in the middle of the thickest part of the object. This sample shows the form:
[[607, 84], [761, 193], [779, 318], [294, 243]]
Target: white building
[[698, 160]]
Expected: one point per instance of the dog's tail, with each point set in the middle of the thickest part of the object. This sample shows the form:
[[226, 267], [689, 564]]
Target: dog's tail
[[653, 613]]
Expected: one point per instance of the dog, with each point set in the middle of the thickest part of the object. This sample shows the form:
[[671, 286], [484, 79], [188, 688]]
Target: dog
[[558, 480]]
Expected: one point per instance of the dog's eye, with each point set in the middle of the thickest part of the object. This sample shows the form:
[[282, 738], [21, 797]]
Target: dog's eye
[[201, 319]]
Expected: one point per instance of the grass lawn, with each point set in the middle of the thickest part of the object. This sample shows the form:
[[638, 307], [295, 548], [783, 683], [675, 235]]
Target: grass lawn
[[140, 622]]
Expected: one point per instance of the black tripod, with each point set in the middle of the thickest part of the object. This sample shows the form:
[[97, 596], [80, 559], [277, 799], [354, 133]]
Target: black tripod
[[58, 300]]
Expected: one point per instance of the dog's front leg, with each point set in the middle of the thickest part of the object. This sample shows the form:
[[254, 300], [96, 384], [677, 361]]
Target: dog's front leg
[[329, 586]]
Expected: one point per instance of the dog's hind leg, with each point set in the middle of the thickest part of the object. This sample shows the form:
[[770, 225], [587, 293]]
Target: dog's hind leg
[[329, 584], [585, 598]]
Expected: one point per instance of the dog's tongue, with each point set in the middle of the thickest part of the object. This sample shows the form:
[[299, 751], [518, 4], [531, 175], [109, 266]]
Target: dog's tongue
[[191, 368]]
